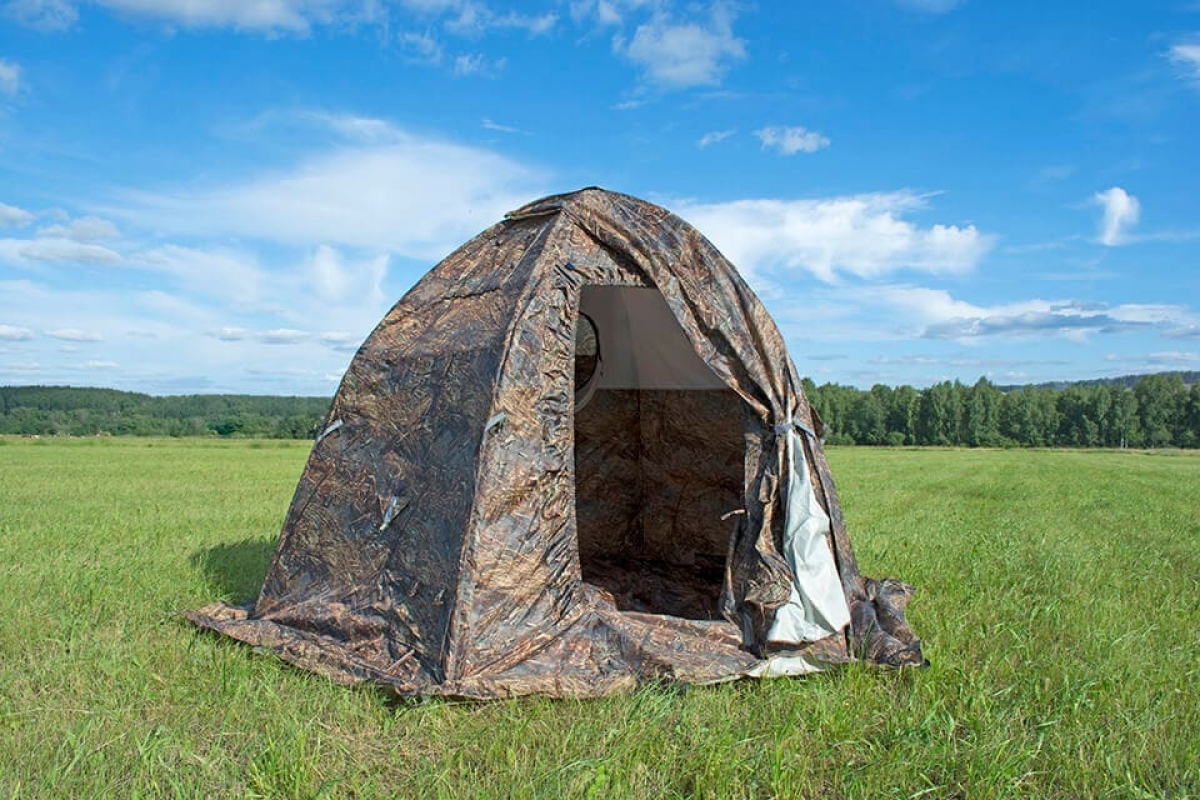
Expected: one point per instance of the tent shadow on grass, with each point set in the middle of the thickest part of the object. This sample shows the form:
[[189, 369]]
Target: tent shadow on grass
[[235, 570]]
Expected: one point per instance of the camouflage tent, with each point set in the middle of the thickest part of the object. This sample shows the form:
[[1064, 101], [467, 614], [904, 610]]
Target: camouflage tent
[[574, 457]]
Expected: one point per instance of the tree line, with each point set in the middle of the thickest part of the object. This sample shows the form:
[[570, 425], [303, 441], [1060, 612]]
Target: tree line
[[1157, 411], [1151, 411], [69, 411]]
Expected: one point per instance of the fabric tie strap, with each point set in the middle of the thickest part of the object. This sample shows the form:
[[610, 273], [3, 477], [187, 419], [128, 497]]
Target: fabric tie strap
[[794, 425]]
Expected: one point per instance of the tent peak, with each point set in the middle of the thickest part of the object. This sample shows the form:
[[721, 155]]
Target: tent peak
[[585, 197]]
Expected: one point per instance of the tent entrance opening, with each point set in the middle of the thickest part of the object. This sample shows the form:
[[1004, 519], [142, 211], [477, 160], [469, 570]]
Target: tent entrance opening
[[659, 457]]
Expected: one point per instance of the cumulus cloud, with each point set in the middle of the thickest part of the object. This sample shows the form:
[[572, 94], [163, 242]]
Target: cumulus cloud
[[791, 140], [1121, 212], [13, 217], [11, 333], [682, 54], [864, 235], [714, 137], [403, 194], [1186, 57], [10, 77]]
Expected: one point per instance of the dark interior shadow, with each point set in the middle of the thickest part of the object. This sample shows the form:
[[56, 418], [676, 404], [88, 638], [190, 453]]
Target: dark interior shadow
[[236, 570]]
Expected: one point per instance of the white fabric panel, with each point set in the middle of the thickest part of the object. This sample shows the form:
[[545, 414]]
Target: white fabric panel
[[779, 666], [817, 605], [641, 343]]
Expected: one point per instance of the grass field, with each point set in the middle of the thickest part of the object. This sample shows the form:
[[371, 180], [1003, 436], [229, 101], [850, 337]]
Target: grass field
[[1058, 600]]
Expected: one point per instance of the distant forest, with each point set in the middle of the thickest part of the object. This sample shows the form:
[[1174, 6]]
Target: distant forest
[[1160, 410], [1144, 411], [67, 411]]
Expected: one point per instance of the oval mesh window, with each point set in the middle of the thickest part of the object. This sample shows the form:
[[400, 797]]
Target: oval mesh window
[[587, 351]]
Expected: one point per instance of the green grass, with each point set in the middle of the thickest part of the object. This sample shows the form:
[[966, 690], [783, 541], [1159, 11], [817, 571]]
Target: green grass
[[1058, 598]]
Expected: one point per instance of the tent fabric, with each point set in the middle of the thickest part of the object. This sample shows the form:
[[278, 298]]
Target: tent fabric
[[461, 528]]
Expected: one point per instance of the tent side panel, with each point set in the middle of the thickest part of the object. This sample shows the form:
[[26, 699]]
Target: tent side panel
[[370, 551], [521, 586]]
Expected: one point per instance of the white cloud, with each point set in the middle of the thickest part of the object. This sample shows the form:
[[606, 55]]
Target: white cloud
[[84, 229], [232, 334], [341, 341], [409, 195], [604, 12], [488, 125], [11, 333], [337, 281], [935, 314], [864, 235], [74, 335], [1184, 332], [536, 26], [54, 250], [283, 336], [714, 137], [1166, 359], [223, 273], [629, 105], [365, 130], [292, 15], [1121, 212], [680, 55], [474, 19], [164, 342], [44, 15], [13, 217], [335, 340], [10, 77], [23, 368], [421, 48], [1186, 57], [478, 64], [295, 16], [465, 18], [791, 140]]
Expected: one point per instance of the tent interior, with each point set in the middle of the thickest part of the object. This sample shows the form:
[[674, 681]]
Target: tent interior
[[660, 445]]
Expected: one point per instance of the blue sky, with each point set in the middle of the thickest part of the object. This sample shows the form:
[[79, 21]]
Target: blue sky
[[227, 195]]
